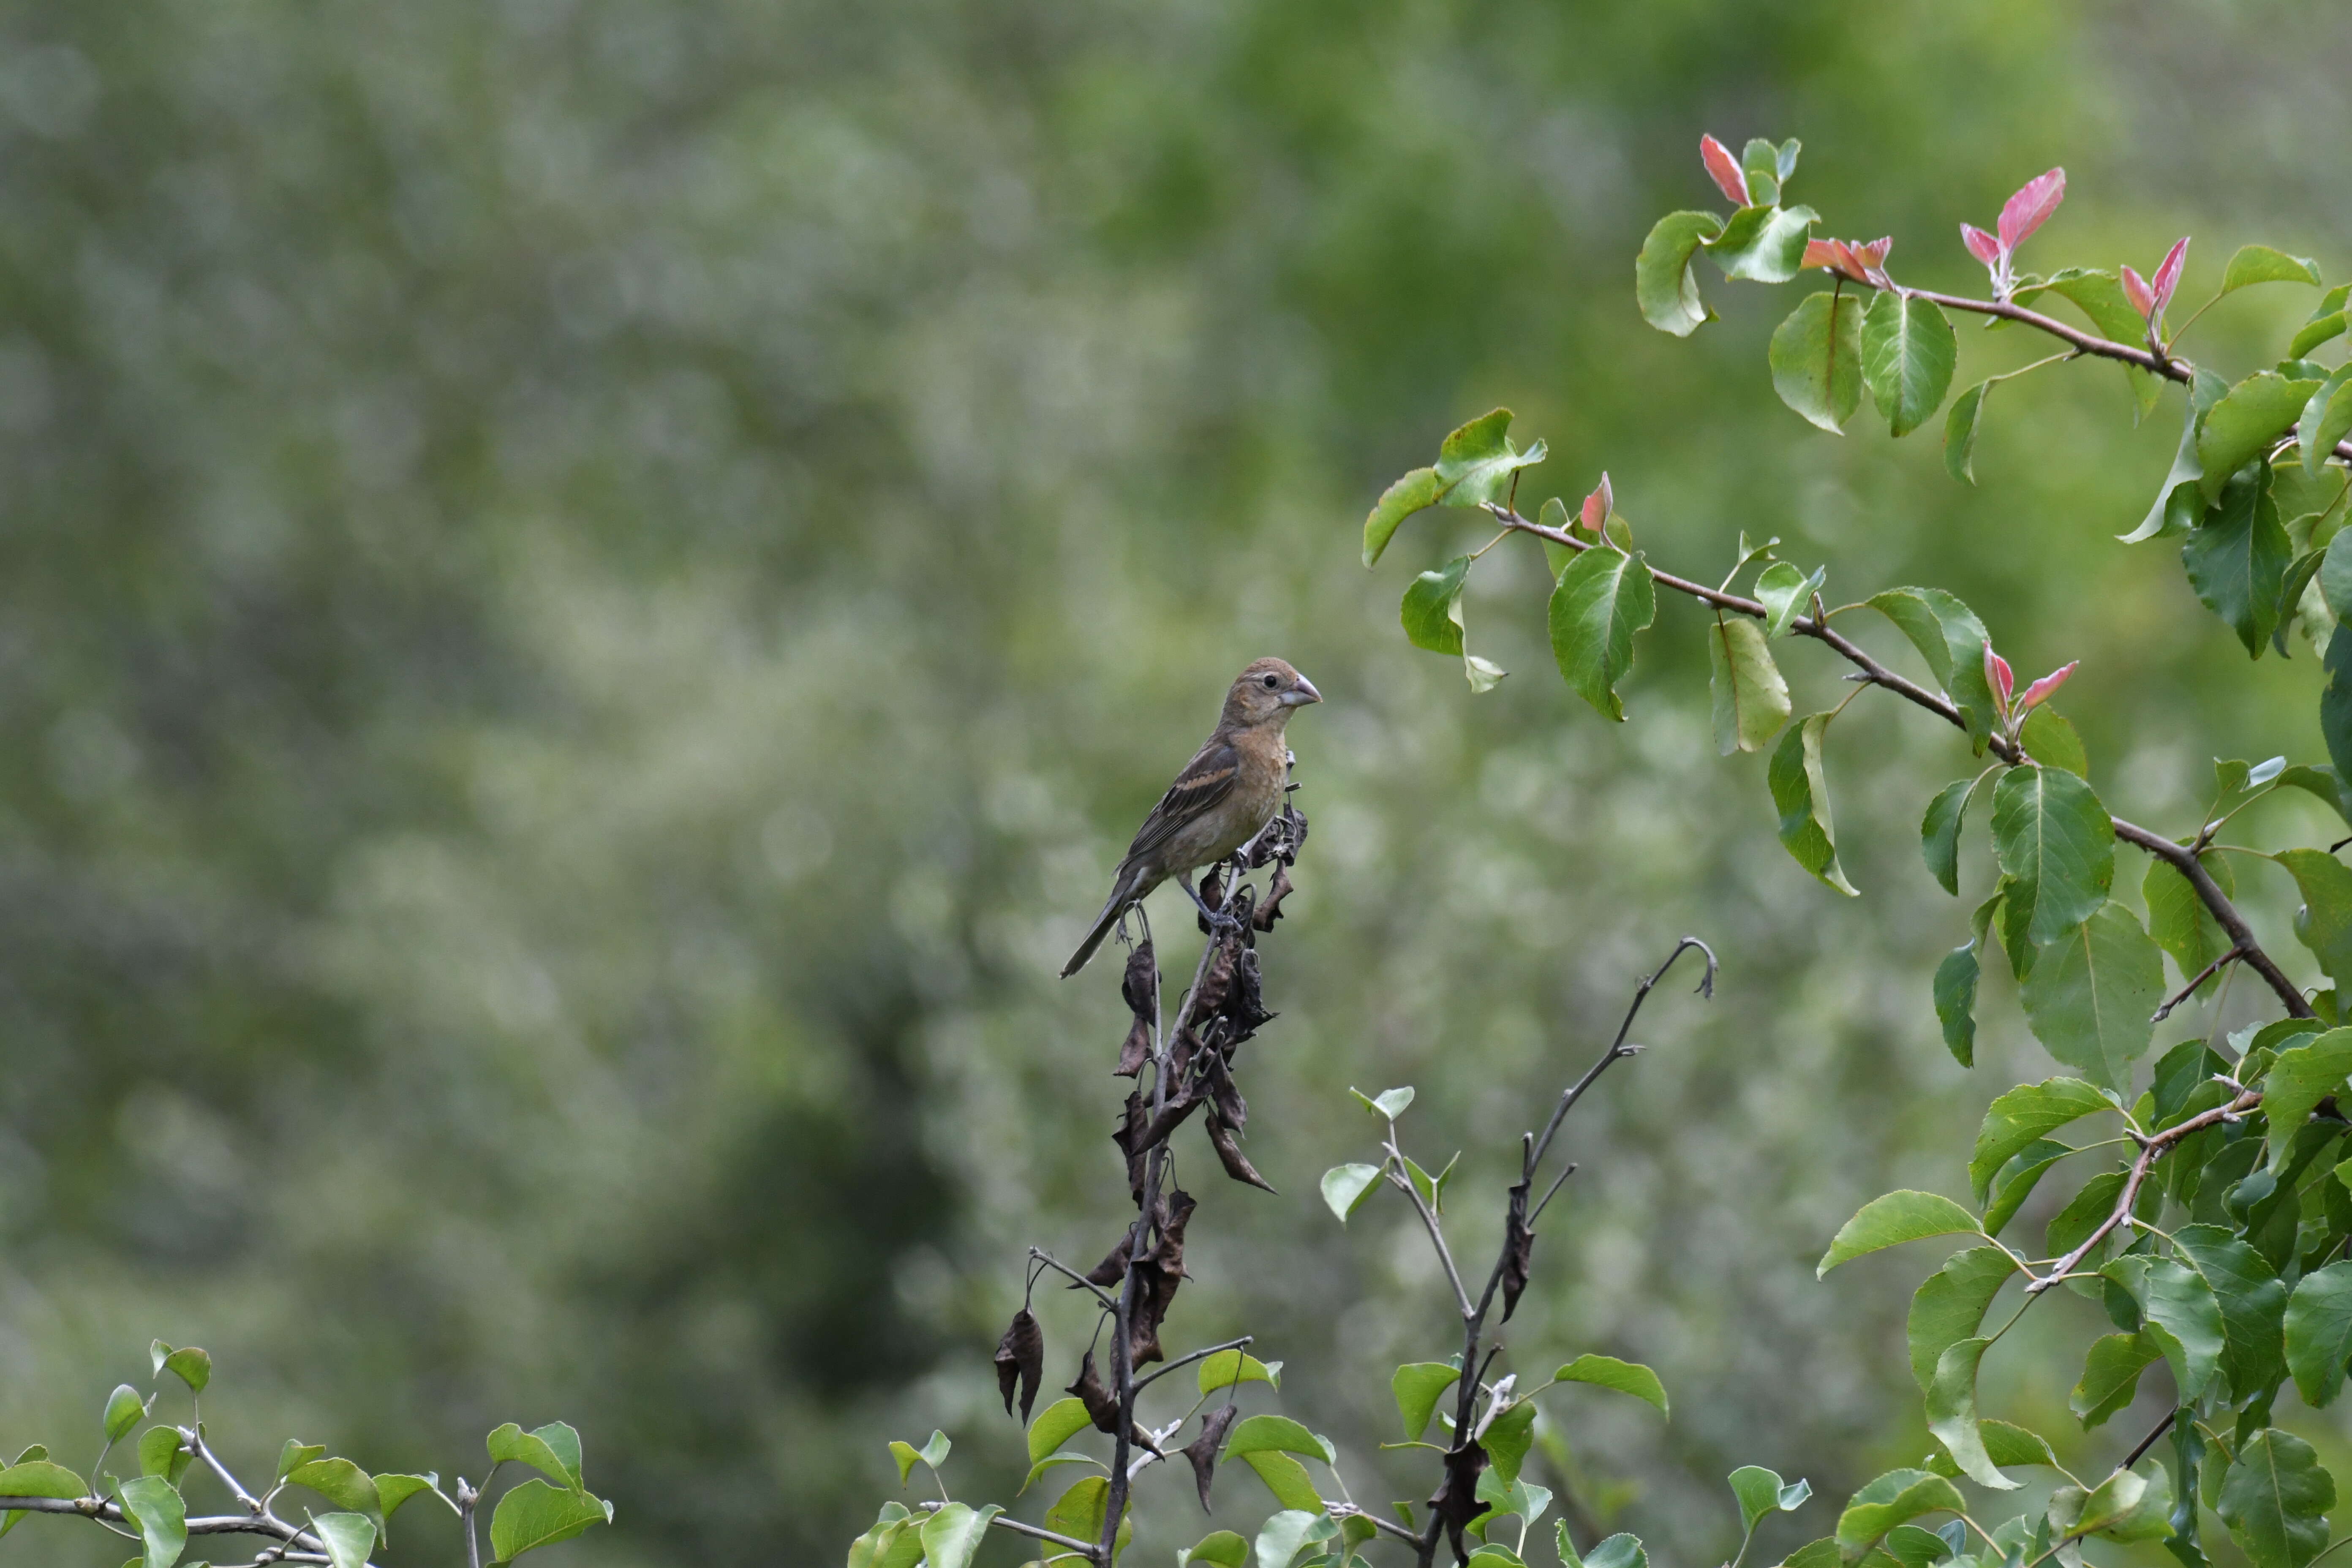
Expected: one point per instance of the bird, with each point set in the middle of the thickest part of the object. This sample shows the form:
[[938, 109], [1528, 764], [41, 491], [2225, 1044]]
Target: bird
[[1230, 789]]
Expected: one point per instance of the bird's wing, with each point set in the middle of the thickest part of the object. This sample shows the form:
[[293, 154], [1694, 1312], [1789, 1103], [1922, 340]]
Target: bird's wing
[[1203, 785]]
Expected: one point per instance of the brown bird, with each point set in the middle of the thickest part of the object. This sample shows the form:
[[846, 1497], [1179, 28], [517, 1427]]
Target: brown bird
[[1230, 789]]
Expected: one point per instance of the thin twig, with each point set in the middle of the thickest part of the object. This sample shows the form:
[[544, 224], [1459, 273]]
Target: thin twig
[[2152, 1149], [1187, 1360], [2185, 992], [2140, 1449], [1074, 1277], [1002, 1521]]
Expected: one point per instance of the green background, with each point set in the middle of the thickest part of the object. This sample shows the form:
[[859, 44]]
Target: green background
[[591, 588]]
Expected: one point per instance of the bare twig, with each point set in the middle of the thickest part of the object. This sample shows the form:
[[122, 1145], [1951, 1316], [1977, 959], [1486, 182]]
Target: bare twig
[[1075, 1277], [1188, 1359], [2140, 1449]]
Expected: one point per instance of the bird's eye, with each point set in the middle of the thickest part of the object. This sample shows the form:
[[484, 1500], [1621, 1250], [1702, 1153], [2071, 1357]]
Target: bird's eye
[[1272, 681]]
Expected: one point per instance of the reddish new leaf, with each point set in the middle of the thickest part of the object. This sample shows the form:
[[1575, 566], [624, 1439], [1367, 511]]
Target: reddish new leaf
[[2030, 207], [2168, 273], [1998, 676], [1597, 505], [1823, 254], [1982, 245], [2040, 690], [1728, 177], [2136, 292]]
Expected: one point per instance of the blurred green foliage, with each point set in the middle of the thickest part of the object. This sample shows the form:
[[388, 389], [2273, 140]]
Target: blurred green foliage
[[591, 588]]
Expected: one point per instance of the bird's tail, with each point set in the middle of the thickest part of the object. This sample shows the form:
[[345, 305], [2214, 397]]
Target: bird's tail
[[1123, 893]]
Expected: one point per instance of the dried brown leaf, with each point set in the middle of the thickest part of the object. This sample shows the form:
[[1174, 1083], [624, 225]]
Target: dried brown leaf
[[1202, 1449], [1021, 1359]]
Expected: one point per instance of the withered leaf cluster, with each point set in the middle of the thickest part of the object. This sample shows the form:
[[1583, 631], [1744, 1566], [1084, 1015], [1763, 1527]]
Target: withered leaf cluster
[[1202, 1449], [1157, 1275], [1141, 987], [1456, 1500], [1102, 1405], [1021, 1359], [1518, 1243]]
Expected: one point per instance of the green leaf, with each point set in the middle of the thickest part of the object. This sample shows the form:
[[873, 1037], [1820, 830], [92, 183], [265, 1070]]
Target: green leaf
[[393, 1490], [1344, 1187], [1282, 1536], [2318, 1332], [2276, 1500], [2242, 427], [1417, 1385], [1228, 1368], [1284, 1477], [2237, 558], [2098, 294], [342, 1483], [2335, 697], [934, 1453], [295, 1454], [123, 1410], [1751, 700], [2182, 1316], [1662, 282], [1895, 1498], [1050, 1462], [1221, 1549], [1893, 1219], [1907, 354], [1761, 1491], [1785, 591], [1417, 489], [154, 1506], [1952, 640], [535, 1514], [1390, 1103], [1624, 1376], [2108, 1504], [1275, 1433], [2050, 834], [2017, 1181], [1055, 1425], [1952, 1413], [953, 1534], [2111, 1377], [2092, 993], [1509, 1437], [2299, 1077], [349, 1537], [892, 1543], [2326, 417], [161, 1453], [1763, 244], [2051, 741], [1800, 793], [1955, 1000], [1431, 611], [1602, 599], [2253, 1301], [1961, 432], [2318, 331], [1816, 359], [511, 1444], [189, 1364], [1618, 1551], [41, 1478], [1939, 833], [2091, 1203], [1949, 1306], [2178, 920], [1476, 462], [2324, 923], [2261, 264], [2182, 497]]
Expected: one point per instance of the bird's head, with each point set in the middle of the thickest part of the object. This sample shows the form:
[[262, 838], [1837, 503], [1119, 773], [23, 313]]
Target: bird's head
[[1266, 693]]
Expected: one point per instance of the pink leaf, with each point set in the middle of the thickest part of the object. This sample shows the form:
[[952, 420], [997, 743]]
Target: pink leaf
[[1597, 506], [2136, 289], [2030, 207], [1982, 245], [1998, 676], [1822, 253], [2040, 690], [1720, 164], [2167, 275]]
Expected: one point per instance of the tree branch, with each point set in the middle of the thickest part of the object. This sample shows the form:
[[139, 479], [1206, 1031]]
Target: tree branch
[[2225, 913], [1188, 1359], [2152, 1149]]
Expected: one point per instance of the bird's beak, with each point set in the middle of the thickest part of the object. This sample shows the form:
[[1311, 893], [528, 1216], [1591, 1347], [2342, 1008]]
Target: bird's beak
[[1301, 694]]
